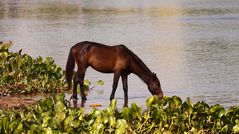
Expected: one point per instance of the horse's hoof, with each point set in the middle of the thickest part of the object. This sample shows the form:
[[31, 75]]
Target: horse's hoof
[[125, 105], [83, 103], [74, 97]]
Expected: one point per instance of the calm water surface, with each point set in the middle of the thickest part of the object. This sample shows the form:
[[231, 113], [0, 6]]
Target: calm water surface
[[193, 46]]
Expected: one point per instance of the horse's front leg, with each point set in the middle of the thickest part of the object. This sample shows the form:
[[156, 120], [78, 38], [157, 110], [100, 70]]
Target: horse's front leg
[[125, 88], [115, 84]]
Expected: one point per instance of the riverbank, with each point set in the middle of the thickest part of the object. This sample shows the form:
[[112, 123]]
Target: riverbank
[[16, 101]]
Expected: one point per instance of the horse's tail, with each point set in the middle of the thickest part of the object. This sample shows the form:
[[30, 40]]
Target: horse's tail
[[70, 65]]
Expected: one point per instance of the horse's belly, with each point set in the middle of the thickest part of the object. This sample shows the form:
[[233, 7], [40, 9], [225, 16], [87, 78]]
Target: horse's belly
[[102, 66], [107, 63], [102, 69]]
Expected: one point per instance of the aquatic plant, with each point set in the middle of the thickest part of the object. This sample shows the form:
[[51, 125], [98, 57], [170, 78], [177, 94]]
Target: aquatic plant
[[171, 115], [20, 73]]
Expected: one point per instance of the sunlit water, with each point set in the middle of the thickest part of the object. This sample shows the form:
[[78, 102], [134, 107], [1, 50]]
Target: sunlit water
[[193, 46]]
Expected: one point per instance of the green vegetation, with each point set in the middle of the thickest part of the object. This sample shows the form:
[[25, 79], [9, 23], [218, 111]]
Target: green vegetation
[[20, 73], [171, 115]]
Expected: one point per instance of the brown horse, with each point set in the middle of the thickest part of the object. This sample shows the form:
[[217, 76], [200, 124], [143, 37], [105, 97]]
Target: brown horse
[[108, 59]]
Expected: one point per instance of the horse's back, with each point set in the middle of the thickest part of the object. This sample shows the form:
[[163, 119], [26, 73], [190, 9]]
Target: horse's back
[[78, 47], [96, 45], [102, 57]]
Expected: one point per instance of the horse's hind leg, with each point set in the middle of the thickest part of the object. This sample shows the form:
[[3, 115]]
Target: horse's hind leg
[[74, 96], [81, 75], [75, 83]]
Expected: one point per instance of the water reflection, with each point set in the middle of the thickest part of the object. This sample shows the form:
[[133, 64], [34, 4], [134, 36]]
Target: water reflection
[[191, 45]]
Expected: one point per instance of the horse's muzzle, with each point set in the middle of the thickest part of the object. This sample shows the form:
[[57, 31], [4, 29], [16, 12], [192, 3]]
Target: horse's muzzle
[[160, 96]]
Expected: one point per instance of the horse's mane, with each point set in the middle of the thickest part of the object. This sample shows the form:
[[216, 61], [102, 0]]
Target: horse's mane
[[138, 60]]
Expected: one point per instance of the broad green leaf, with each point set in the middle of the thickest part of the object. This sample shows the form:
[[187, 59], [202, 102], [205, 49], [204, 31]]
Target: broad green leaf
[[5, 123], [4, 55], [87, 82], [19, 129], [112, 105], [224, 129], [1, 124], [235, 129], [97, 128], [126, 113], [112, 121], [175, 102], [39, 59], [187, 106], [49, 102], [49, 60], [45, 122], [135, 108], [152, 100], [75, 124], [1, 70], [68, 121], [34, 128], [105, 119], [164, 101], [135, 112], [60, 116], [217, 111], [121, 126], [38, 107], [194, 130], [60, 107], [60, 97], [13, 125], [48, 130], [97, 113]]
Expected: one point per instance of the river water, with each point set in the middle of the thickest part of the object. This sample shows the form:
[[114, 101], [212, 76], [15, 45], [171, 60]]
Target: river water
[[193, 46]]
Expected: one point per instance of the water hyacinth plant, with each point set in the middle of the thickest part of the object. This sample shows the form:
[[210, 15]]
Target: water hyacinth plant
[[171, 115], [20, 73]]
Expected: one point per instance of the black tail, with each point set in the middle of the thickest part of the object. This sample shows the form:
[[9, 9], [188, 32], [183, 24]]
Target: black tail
[[70, 65]]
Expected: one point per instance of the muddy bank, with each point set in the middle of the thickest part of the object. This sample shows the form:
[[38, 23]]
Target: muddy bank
[[20, 101], [16, 101]]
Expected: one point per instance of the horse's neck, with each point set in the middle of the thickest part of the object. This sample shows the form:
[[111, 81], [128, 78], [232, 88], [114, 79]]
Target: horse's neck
[[142, 72]]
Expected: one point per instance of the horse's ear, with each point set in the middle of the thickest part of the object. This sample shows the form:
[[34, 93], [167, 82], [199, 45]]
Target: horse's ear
[[154, 75]]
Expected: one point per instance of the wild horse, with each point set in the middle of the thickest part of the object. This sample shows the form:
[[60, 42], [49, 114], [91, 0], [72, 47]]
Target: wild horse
[[108, 59]]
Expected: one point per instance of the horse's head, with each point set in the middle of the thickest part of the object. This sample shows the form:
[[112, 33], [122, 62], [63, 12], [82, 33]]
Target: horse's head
[[155, 87]]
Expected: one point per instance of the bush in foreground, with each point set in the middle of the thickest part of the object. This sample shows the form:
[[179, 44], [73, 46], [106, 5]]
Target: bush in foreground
[[21, 73], [171, 115]]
